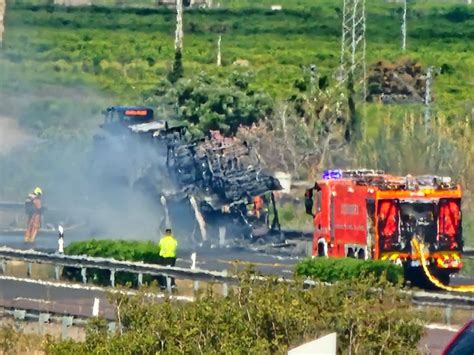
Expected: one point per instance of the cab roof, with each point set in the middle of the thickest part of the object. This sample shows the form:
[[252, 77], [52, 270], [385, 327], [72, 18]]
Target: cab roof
[[125, 108], [382, 181]]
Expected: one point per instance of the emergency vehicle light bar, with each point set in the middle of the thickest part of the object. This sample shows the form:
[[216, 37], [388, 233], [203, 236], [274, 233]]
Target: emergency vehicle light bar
[[332, 174], [348, 173]]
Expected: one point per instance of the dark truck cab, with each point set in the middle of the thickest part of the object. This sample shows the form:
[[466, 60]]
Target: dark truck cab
[[122, 119], [128, 115]]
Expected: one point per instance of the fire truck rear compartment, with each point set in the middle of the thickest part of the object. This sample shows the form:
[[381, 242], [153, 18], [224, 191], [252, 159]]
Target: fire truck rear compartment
[[436, 222]]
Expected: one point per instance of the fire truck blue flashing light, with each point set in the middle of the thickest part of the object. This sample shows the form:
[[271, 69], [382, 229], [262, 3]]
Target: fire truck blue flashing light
[[332, 174]]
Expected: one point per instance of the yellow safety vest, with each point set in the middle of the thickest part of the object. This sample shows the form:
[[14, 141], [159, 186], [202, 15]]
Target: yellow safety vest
[[168, 245]]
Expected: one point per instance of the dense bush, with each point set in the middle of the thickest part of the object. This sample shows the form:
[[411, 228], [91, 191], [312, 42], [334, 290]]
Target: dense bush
[[259, 318], [117, 249], [208, 102], [332, 269]]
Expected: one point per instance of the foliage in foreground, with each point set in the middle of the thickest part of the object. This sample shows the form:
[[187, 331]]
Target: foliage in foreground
[[259, 318], [15, 341], [332, 269]]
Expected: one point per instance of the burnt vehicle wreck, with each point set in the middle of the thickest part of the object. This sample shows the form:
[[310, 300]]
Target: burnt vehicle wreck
[[213, 186]]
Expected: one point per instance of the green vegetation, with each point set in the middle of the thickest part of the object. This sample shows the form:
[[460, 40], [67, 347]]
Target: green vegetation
[[60, 66], [127, 51], [117, 249], [211, 103], [15, 341], [332, 270], [468, 267], [259, 318]]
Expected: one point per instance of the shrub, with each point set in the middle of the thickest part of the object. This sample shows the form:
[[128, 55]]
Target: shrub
[[332, 269], [258, 317], [117, 249], [212, 103]]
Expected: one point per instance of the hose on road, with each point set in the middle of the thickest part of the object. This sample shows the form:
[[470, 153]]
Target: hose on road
[[419, 248]]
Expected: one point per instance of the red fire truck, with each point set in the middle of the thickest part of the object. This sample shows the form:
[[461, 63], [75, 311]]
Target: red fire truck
[[368, 214]]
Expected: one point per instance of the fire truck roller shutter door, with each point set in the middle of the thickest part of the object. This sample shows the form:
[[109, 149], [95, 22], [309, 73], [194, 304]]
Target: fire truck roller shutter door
[[389, 226], [449, 220]]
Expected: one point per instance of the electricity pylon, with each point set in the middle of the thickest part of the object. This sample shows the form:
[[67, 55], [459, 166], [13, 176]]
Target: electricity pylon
[[353, 44]]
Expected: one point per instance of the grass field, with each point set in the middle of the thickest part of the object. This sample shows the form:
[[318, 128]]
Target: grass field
[[61, 66], [126, 51]]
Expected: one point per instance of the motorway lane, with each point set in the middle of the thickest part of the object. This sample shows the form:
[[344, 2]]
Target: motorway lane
[[66, 301], [59, 300], [435, 340], [217, 259]]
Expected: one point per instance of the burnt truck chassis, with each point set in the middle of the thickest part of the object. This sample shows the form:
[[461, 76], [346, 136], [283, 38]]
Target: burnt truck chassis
[[220, 175]]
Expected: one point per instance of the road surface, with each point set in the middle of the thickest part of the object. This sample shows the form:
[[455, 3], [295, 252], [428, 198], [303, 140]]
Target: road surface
[[59, 300], [67, 301], [79, 302]]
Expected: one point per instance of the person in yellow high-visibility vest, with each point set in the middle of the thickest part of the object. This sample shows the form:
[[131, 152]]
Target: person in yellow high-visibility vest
[[167, 252]]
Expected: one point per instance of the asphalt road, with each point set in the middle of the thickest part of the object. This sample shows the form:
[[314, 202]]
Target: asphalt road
[[59, 300], [79, 302], [435, 340], [67, 301], [216, 259]]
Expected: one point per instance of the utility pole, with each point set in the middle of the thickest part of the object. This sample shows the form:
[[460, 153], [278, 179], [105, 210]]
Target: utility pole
[[428, 98], [178, 40], [177, 71], [404, 26], [2, 20], [219, 57]]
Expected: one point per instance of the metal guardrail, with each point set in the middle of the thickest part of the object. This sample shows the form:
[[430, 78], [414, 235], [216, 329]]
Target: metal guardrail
[[468, 253], [45, 318], [84, 262], [113, 266], [438, 299]]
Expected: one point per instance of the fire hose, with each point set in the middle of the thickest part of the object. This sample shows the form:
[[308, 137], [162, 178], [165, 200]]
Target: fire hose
[[419, 249]]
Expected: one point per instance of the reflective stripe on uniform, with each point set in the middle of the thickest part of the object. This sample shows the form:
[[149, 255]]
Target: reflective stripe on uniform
[[168, 245]]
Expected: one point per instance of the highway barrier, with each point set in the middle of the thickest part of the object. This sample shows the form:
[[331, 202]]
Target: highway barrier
[[83, 262], [196, 275]]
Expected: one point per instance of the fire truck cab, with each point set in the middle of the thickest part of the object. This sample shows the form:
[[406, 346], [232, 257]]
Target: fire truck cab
[[368, 214]]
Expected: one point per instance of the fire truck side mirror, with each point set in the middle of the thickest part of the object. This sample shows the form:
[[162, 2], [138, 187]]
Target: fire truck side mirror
[[308, 202]]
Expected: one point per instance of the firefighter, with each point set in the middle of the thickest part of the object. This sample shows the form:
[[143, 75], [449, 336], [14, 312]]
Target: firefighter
[[167, 252], [34, 209], [260, 210], [257, 206]]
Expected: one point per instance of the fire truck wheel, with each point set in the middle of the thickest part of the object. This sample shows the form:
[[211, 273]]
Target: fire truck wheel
[[443, 277]]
